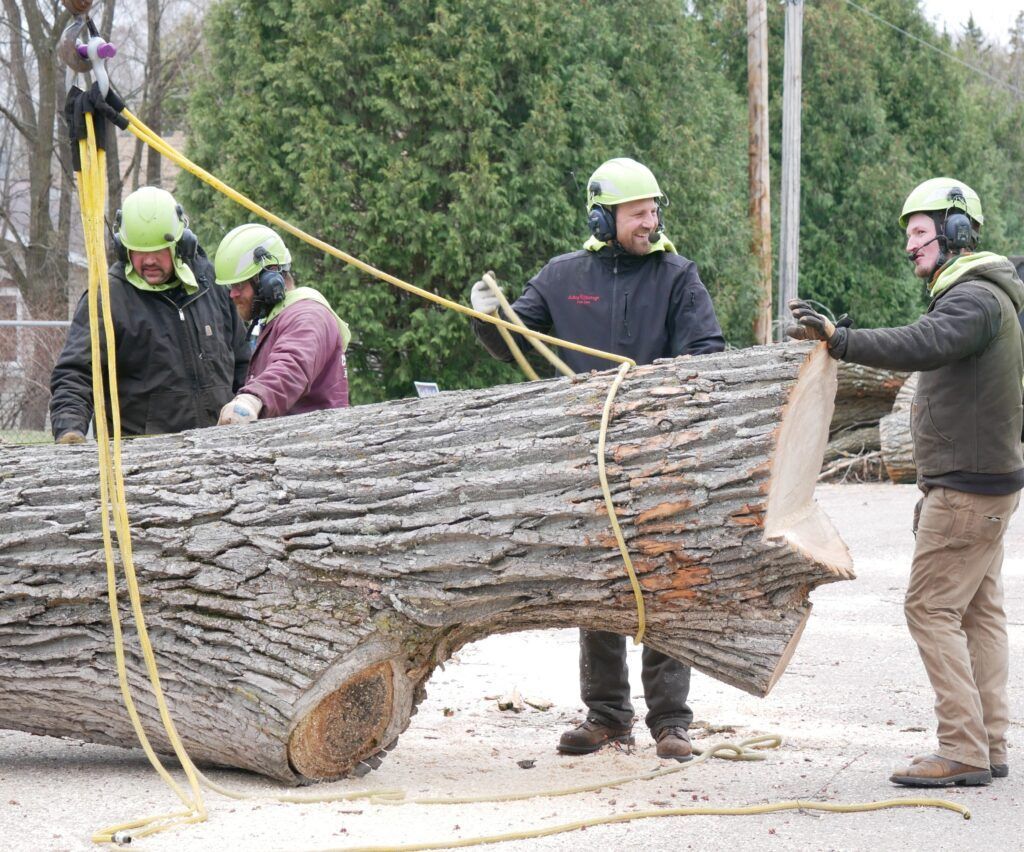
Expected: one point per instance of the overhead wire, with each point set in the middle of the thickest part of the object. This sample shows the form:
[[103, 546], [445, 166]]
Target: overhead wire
[[925, 43]]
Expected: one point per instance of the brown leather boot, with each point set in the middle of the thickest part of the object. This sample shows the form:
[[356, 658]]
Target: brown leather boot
[[930, 770], [673, 744], [590, 736]]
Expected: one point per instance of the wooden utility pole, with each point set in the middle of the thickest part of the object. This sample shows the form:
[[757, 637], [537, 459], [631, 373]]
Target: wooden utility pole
[[789, 238], [757, 158]]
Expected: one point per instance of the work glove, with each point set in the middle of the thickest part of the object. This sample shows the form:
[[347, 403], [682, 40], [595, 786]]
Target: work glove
[[811, 325], [244, 408], [483, 299], [70, 436]]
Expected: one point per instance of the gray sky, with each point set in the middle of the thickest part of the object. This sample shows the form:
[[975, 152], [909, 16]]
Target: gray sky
[[994, 17]]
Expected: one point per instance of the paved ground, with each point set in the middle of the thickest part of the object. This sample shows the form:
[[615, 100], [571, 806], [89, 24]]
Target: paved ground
[[853, 703]]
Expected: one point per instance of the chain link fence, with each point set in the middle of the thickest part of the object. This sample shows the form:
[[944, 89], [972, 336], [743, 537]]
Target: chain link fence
[[28, 351]]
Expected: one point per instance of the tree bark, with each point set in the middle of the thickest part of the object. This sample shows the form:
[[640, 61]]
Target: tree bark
[[896, 437], [303, 576], [864, 396]]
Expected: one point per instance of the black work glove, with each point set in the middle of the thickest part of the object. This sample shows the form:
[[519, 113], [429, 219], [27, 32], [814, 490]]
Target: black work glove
[[810, 324], [78, 103]]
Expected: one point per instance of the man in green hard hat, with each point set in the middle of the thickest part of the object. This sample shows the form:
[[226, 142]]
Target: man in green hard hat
[[966, 423], [627, 292], [180, 345], [298, 363]]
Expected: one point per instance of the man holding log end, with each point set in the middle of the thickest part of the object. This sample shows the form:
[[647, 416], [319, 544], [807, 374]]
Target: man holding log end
[[966, 425], [627, 292]]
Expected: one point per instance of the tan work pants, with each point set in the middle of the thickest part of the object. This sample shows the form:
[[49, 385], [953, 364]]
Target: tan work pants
[[954, 609]]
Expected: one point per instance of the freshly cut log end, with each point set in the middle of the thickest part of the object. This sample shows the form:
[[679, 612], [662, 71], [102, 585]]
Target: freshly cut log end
[[303, 576], [346, 727], [793, 514]]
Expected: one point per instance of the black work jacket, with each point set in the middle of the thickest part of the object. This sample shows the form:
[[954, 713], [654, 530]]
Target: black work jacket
[[642, 306], [177, 364]]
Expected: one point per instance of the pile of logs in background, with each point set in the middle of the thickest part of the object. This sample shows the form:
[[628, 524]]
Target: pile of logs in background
[[857, 449]]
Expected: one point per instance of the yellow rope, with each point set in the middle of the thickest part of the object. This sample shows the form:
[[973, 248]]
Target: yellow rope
[[749, 749], [623, 550], [92, 188], [745, 810], [511, 315]]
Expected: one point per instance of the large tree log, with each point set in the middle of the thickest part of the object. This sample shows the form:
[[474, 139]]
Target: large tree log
[[303, 576], [897, 440], [864, 395]]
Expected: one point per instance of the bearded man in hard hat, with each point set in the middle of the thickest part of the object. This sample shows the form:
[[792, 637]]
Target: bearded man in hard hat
[[180, 346], [966, 425], [627, 292], [298, 363]]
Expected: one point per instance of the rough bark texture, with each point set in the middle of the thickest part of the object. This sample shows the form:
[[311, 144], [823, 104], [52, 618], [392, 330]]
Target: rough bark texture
[[303, 576], [897, 440], [864, 396]]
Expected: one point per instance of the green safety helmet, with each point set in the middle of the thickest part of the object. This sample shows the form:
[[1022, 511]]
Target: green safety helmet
[[149, 220], [939, 195], [246, 250], [620, 180]]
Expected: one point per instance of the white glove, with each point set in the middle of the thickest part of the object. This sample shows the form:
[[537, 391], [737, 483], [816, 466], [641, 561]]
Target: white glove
[[244, 408], [483, 299]]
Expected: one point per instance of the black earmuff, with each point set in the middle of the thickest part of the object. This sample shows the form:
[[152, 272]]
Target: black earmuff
[[958, 232], [957, 228], [269, 286], [601, 219], [119, 250], [602, 223], [188, 242]]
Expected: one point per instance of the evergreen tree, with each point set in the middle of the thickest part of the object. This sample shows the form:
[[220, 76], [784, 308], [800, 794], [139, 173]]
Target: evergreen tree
[[881, 113], [438, 139]]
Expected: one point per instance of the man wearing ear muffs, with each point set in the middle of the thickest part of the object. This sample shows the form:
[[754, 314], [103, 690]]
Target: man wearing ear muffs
[[627, 292], [298, 363], [181, 348], [966, 422]]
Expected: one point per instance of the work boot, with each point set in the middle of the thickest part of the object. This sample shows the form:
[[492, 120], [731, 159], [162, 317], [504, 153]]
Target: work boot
[[930, 770], [590, 736], [998, 770], [673, 743]]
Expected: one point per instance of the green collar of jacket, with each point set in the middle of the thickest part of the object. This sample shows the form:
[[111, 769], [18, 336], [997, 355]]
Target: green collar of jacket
[[298, 295], [664, 244], [959, 267], [182, 275]]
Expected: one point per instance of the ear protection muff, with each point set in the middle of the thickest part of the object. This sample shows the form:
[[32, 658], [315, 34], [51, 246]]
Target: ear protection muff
[[119, 250], [660, 227], [188, 242], [957, 228], [268, 288], [602, 223]]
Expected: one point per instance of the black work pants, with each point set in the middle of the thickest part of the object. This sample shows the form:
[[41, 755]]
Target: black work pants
[[604, 683]]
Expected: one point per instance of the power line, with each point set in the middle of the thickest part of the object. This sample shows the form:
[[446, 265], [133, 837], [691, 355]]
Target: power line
[[938, 50]]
